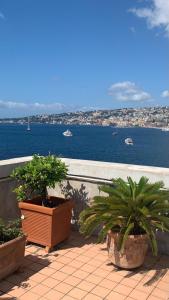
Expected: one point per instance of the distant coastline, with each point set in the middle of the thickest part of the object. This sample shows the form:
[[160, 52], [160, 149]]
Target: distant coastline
[[149, 117]]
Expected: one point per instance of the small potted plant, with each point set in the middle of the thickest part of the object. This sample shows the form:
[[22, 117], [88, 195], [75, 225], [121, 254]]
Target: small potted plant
[[129, 216], [12, 247], [45, 220]]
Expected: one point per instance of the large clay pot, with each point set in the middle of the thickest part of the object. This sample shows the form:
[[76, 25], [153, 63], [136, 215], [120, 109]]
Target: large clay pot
[[134, 252], [11, 256], [44, 225]]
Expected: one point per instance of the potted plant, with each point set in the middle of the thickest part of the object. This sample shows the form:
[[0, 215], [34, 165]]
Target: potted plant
[[129, 216], [45, 220], [12, 247]]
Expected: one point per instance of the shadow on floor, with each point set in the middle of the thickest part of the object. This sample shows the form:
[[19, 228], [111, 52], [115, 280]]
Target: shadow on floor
[[22, 275]]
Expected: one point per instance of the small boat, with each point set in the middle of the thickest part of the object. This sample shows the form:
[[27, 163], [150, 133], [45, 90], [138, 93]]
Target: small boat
[[165, 129], [114, 133], [28, 127], [128, 141], [67, 133]]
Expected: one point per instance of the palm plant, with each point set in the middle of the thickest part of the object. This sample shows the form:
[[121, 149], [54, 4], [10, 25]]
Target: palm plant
[[130, 208]]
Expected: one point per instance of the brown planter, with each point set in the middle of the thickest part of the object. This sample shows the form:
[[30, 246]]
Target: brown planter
[[11, 255], [46, 226], [134, 252]]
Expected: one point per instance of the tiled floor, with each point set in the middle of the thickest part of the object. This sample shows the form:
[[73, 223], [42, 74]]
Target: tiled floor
[[80, 269]]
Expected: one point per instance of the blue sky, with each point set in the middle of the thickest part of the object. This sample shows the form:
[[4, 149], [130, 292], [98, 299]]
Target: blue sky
[[64, 55]]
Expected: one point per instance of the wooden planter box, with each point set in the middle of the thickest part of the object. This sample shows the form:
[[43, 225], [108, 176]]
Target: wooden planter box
[[11, 255], [46, 226]]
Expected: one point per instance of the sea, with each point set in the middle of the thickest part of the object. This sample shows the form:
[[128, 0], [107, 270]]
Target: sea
[[151, 146]]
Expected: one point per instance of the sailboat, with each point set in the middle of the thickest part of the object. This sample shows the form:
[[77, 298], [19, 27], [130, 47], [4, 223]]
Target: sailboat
[[28, 127]]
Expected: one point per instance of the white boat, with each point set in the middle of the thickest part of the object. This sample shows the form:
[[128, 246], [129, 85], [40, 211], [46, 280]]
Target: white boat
[[114, 133], [28, 127], [128, 141], [67, 133], [165, 129]]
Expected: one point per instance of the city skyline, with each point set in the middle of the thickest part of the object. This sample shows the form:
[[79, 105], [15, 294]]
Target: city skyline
[[61, 56]]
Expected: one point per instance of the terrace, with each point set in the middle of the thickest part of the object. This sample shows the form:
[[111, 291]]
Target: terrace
[[79, 268]]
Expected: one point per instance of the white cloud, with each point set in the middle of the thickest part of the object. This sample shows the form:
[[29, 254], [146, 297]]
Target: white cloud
[[156, 16], [36, 105], [128, 91], [2, 16], [165, 94]]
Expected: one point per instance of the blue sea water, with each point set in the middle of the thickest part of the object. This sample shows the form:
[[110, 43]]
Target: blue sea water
[[151, 146]]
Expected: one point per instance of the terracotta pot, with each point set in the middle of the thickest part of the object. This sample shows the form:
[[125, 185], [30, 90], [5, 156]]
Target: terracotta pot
[[11, 255], [46, 226], [134, 252]]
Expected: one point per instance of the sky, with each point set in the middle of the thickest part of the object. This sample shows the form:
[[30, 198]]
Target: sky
[[69, 55]]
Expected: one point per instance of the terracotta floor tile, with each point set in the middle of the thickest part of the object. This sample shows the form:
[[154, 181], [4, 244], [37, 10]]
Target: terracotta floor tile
[[129, 282], [101, 257], [77, 293], [40, 289], [86, 286], [114, 277], [65, 260], [38, 277], [68, 270], [83, 258], [165, 278], [14, 278], [145, 287], [100, 272], [123, 289], [50, 282], [100, 291], [5, 286], [72, 280], [68, 298], [137, 295], [76, 264], [94, 262], [163, 286], [160, 294], [71, 254], [80, 274], [152, 298], [29, 296], [63, 287], [77, 250], [88, 268], [92, 297], [59, 275], [107, 284], [93, 279], [115, 296], [35, 267], [56, 265], [54, 295], [28, 284], [47, 271], [91, 253], [17, 291]]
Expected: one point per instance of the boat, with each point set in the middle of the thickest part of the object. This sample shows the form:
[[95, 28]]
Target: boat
[[165, 129], [67, 133], [28, 127], [128, 141], [114, 133]]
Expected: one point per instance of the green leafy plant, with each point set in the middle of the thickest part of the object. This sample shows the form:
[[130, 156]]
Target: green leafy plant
[[35, 176], [9, 230], [130, 208]]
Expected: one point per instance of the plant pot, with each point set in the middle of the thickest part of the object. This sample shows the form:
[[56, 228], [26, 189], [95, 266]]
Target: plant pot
[[134, 253], [11, 255], [46, 226]]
